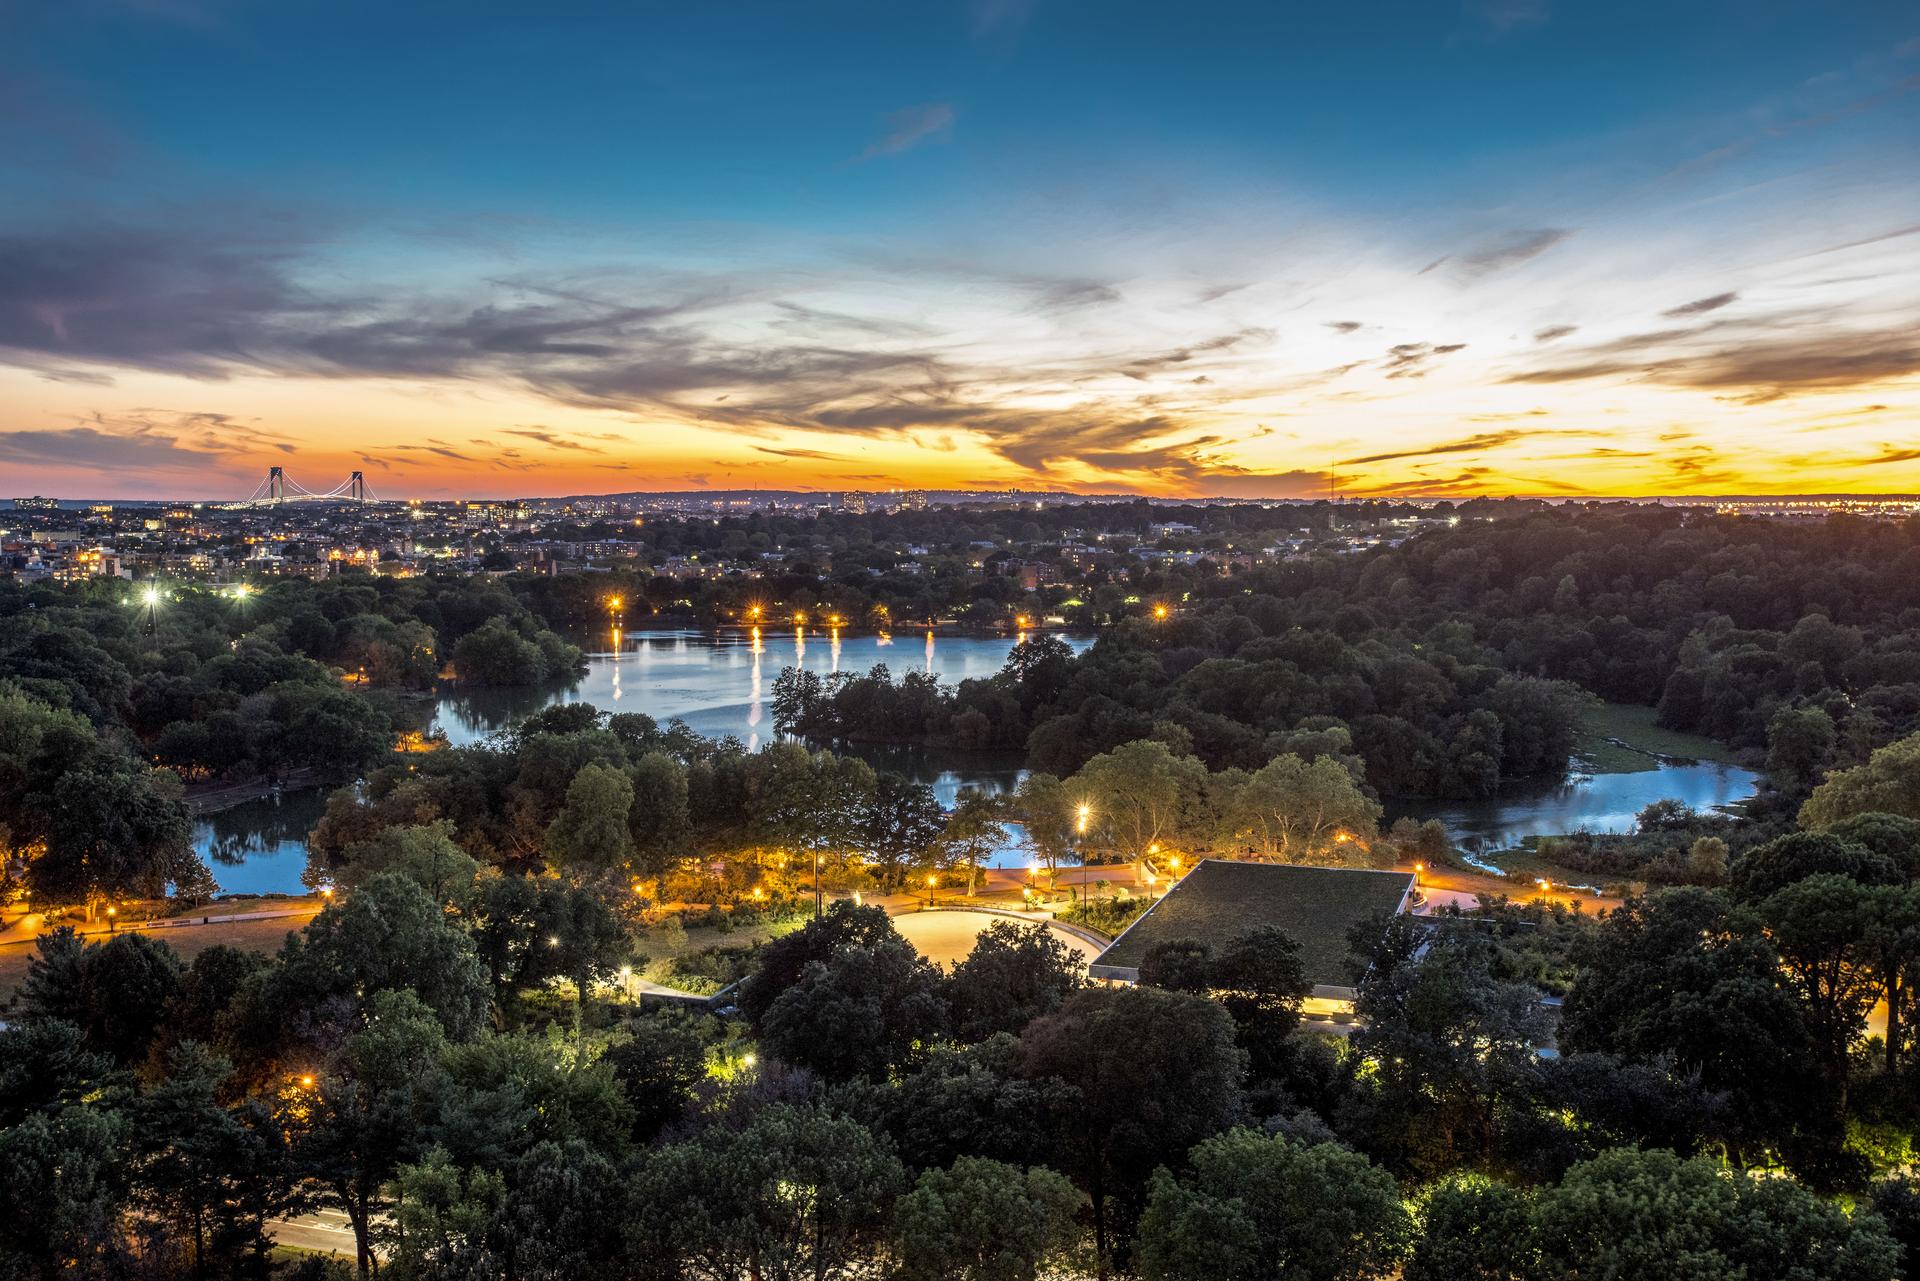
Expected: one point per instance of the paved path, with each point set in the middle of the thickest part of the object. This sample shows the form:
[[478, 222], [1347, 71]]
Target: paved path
[[946, 936]]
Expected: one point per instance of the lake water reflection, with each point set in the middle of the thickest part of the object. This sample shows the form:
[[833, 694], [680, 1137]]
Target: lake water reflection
[[719, 684]]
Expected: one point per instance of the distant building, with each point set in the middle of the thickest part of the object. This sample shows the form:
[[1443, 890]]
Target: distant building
[[1219, 900], [35, 504]]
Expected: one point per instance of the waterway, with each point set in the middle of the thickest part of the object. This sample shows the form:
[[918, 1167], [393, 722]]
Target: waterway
[[1583, 802]]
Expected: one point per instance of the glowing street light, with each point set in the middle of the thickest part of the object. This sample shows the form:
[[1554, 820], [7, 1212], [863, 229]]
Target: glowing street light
[[1160, 611], [1080, 819]]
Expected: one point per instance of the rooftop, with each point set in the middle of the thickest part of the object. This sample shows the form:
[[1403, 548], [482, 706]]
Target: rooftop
[[1220, 900]]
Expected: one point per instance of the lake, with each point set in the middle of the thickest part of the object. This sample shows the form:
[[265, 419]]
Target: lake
[[722, 684], [718, 683]]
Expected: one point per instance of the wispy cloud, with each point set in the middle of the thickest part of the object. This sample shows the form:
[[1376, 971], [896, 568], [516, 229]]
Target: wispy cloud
[[910, 127], [1700, 306]]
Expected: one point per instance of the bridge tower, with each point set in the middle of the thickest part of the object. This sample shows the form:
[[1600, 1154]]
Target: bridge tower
[[276, 484], [357, 488]]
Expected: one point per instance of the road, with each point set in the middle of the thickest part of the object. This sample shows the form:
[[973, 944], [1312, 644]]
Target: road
[[323, 1231]]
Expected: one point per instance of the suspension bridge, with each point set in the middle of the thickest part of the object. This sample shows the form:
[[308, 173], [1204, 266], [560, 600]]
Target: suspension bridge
[[278, 487]]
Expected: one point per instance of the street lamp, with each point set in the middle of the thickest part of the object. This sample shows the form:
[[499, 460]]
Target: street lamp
[[151, 598], [932, 881], [112, 924], [1160, 612], [816, 887]]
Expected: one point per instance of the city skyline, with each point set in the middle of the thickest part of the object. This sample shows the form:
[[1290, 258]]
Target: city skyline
[[1436, 250]]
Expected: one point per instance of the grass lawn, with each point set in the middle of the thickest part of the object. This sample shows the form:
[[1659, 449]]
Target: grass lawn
[[1621, 738], [187, 942]]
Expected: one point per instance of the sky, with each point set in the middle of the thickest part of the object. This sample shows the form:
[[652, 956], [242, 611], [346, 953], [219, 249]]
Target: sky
[[1276, 249]]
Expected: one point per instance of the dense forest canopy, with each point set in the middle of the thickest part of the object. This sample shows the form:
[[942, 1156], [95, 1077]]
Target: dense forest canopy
[[451, 1058]]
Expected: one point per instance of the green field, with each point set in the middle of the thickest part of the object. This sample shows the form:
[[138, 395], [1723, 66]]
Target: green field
[[1621, 738]]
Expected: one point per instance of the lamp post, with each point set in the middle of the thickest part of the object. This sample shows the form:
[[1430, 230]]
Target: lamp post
[[1081, 814], [816, 887], [932, 881], [151, 597]]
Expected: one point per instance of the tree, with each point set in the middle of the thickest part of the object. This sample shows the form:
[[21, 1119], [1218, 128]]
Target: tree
[[1799, 743], [899, 828], [1888, 835], [564, 1213], [354, 1124], [658, 821], [843, 925], [387, 936], [591, 829], [495, 654], [1261, 979], [444, 1218], [425, 853], [1707, 860], [1889, 783], [117, 993], [1258, 1207], [1178, 965], [1014, 974], [1679, 978], [1048, 812], [1821, 927], [1776, 864], [657, 1067], [1151, 1074], [1141, 794], [1445, 1035], [796, 1192], [1892, 946], [212, 1174], [859, 1012], [973, 831], [1303, 811], [1473, 1229], [984, 1220], [963, 1101], [65, 1192], [111, 831], [1643, 1214]]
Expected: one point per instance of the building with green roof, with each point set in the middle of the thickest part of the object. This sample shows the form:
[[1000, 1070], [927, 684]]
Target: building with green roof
[[1220, 900]]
